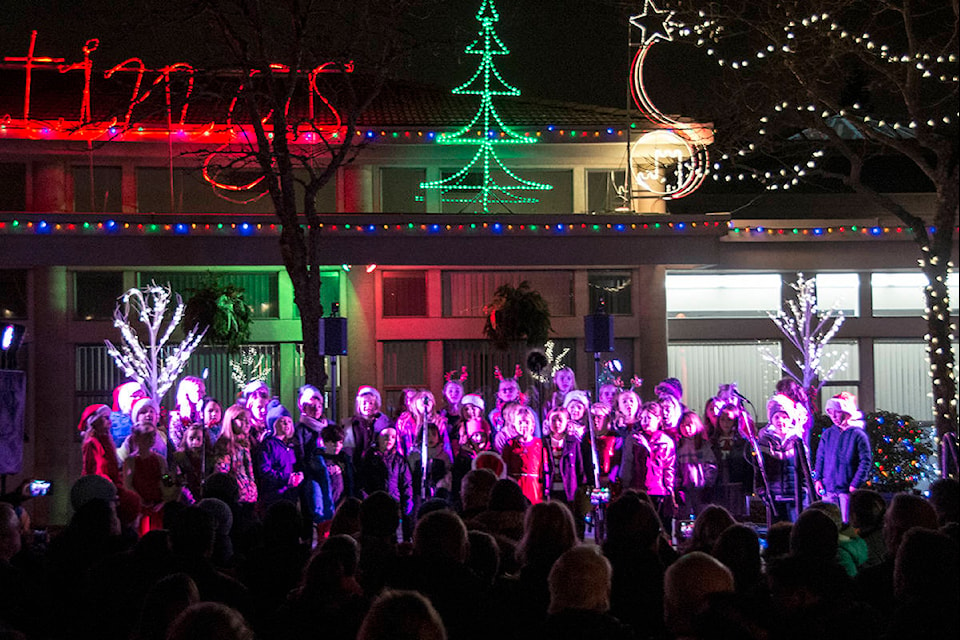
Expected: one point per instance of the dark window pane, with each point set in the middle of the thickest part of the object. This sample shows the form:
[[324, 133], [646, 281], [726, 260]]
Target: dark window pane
[[465, 293], [259, 289], [96, 189], [615, 289], [13, 195], [13, 294], [404, 293], [399, 189], [602, 190], [96, 292], [329, 292], [193, 194]]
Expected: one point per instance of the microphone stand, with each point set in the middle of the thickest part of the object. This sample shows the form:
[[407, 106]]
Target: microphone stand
[[599, 497], [423, 456], [755, 449]]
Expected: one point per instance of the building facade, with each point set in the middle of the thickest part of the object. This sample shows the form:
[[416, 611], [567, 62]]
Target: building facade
[[689, 282]]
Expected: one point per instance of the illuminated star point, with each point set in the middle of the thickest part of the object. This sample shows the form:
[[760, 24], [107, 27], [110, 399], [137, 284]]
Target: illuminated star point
[[654, 23]]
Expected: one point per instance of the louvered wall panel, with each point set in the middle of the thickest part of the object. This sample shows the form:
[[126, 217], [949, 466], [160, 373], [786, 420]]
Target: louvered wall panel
[[702, 366]]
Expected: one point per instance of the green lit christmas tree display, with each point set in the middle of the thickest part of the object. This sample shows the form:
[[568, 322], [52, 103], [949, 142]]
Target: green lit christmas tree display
[[475, 183], [902, 452]]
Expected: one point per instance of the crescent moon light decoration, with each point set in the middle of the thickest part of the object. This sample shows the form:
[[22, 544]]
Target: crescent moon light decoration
[[678, 146]]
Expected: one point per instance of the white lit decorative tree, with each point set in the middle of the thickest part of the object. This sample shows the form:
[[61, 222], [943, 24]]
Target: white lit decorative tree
[[152, 366], [554, 362], [250, 365], [809, 329], [475, 183]]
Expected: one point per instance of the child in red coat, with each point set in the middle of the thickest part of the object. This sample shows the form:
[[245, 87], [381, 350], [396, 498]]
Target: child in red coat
[[523, 455]]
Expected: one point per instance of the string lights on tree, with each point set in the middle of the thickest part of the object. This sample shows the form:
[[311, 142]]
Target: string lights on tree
[[475, 183], [153, 365], [826, 98]]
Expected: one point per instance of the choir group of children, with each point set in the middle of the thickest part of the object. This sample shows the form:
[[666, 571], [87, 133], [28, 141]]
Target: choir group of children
[[566, 449]]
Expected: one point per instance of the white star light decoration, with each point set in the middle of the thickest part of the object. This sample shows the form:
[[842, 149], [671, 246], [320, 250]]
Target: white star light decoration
[[654, 23]]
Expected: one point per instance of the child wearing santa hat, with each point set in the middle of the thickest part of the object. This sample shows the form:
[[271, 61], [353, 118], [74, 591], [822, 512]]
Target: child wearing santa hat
[[844, 456]]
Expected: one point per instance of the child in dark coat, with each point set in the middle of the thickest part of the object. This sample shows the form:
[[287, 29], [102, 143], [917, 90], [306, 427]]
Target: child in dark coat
[[384, 468]]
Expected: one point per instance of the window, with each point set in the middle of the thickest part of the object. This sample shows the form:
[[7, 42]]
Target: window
[[559, 199], [97, 189], [404, 293], [191, 193], [722, 295], [702, 367], [399, 189], [839, 290], [13, 294], [95, 293], [260, 289], [329, 292], [902, 378], [602, 190], [404, 365], [901, 294], [13, 177], [466, 292], [614, 287]]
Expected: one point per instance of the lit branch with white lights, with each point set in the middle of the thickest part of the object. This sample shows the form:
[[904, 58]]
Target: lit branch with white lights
[[849, 96], [809, 329], [153, 366]]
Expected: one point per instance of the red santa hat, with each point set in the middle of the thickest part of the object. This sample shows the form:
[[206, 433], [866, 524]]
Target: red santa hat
[[125, 395], [90, 414], [490, 460], [845, 402], [576, 395], [366, 389], [140, 404], [473, 399]]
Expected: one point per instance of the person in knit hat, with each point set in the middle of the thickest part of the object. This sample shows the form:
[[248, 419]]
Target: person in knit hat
[[844, 457], [669, 394], [360, 432], [275, 460], [577, 403]]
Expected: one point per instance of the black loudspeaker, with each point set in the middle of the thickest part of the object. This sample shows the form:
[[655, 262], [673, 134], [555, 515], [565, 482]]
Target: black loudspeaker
[[598, 332], [333, 336]]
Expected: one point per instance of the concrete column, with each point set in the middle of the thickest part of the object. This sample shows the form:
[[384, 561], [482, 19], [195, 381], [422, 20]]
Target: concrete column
[[361, 314], [56, 444], [51, 187], [355, 193], [651, 345]]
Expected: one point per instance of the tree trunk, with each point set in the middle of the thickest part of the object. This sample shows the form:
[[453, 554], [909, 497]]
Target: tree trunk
[[938, 347], [306, 295]]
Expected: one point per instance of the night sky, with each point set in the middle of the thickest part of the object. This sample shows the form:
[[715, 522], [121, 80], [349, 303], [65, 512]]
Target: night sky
[[570, 50]]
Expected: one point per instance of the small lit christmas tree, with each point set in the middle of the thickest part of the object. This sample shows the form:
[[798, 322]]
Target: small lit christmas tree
[[902, 452], [153, 366], [475, 183]]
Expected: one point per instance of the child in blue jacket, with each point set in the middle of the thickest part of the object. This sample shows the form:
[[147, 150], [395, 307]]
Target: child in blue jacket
[[844, 456]]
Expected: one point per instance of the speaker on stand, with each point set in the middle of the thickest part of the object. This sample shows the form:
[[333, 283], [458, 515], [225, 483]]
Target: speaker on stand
[[598, 338], [333, 343]]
